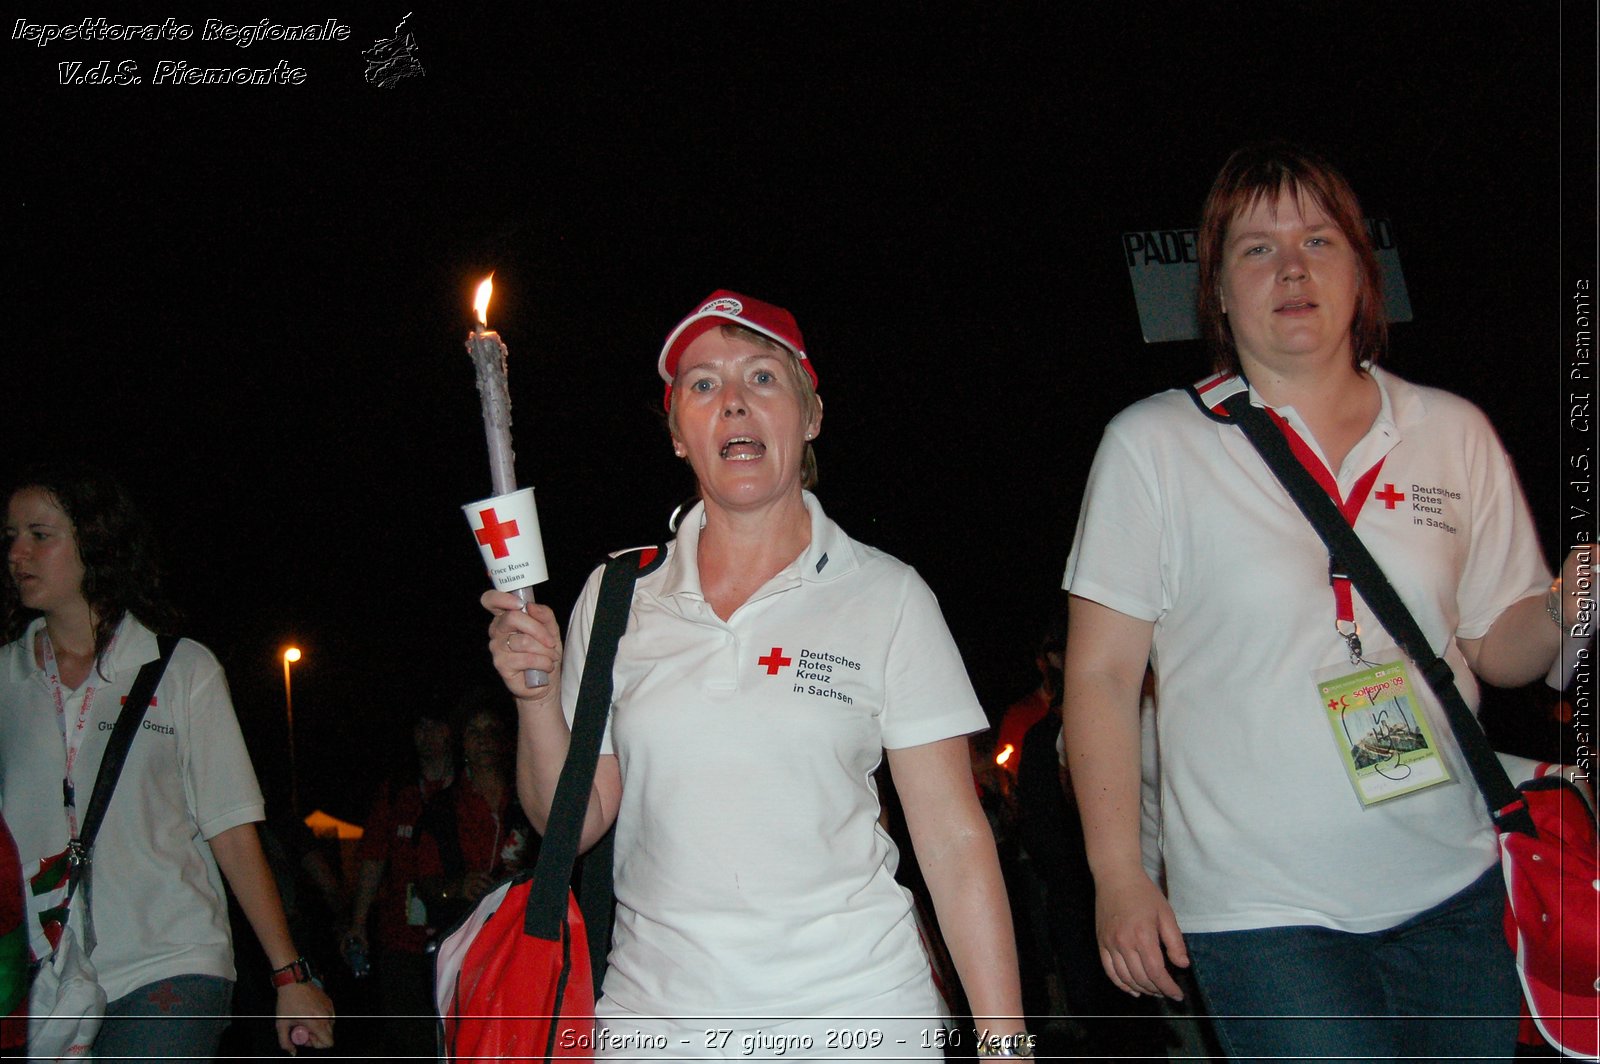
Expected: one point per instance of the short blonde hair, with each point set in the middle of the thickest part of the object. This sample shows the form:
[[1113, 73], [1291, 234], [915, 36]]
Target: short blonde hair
[[810, 405]]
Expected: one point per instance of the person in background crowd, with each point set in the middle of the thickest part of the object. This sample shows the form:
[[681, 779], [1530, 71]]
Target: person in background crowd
[[771, 663], [386, 896], [473, 834], [1035, 706], [1312, 900], [1051, 835], [82, 587], [1025, 843]]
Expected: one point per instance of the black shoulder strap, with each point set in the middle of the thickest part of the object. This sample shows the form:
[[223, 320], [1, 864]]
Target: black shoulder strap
[[597, 900], [105, 780], [552, 875], [1350, 557], [127, 726]]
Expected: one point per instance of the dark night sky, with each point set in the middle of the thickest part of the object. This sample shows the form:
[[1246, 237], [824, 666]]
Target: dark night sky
[[249, 302]]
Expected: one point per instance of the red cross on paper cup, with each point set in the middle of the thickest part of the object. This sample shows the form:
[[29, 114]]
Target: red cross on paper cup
[[494, 533], [506, 528]]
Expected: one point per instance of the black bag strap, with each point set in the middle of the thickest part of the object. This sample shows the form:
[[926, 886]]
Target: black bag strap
[[597, 901], [1349, 557], [558, 852], [116, 753], [80, 850]]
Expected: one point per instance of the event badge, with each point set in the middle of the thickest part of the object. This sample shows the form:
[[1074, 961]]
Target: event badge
[[1380, 731]]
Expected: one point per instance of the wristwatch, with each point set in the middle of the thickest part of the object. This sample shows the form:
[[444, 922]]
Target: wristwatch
[[296, 971]]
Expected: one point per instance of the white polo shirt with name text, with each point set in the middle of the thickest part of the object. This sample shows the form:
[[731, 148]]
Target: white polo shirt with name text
[[1184, 525], [159, 908], [752, 876]]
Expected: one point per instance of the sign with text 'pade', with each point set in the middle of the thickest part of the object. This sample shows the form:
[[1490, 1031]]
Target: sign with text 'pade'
[[1164, 266]]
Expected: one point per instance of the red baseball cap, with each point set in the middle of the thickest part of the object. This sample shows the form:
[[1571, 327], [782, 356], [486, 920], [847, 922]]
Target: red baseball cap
[[723, 307]]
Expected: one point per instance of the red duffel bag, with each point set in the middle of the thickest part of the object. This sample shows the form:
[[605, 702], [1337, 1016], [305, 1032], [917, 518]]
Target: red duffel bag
[[1553, 916], [506, 993], [514, 980]]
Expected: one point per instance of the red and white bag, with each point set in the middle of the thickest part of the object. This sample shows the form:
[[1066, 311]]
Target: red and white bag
[[1553, 917], [505, 993]]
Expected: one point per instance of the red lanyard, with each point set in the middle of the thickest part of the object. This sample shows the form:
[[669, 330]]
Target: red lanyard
[[72, 737], [1350, 506]]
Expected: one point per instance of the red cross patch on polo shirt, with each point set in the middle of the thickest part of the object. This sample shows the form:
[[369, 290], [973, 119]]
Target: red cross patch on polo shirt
[[1389, 496], [774, 661]]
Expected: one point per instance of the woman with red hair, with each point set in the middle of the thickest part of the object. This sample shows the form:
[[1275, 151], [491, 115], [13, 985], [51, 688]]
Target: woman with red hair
[[1312, 899]]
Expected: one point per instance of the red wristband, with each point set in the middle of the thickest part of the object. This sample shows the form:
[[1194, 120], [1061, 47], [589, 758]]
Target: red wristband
[[296, 971]]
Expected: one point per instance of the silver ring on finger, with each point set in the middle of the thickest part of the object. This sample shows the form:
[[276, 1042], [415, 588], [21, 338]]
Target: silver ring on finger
[[508, 646]]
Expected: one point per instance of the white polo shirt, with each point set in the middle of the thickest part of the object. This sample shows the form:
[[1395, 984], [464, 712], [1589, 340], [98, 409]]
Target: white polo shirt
[[752, 877], [157, 893], [1183, 524]]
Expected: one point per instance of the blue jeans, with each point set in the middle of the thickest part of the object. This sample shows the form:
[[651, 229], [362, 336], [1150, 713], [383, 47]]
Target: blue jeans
[[171, 1019], [1442, 984]]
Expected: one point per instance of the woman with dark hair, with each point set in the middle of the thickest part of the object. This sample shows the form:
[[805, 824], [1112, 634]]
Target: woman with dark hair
[[771, 663], [388, 918], [1312, 898], [472, 834], [82, 588]]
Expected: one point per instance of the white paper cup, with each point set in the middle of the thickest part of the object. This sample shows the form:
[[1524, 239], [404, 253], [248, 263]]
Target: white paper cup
[[507, 530]]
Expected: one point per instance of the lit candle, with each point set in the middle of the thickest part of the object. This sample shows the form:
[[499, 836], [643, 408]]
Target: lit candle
[[489, 361], [494, 394]]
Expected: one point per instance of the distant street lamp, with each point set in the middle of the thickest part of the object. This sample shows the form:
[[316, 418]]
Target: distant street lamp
[[290, 656]]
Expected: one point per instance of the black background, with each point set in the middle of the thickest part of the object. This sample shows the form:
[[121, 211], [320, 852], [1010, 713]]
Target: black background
[[250, 302]]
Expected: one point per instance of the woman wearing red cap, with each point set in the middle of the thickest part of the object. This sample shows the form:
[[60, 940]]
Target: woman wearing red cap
[[769, 665]]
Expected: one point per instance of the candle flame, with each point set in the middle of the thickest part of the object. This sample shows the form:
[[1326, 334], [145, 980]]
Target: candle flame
[[1004, 755], [480, 302]]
